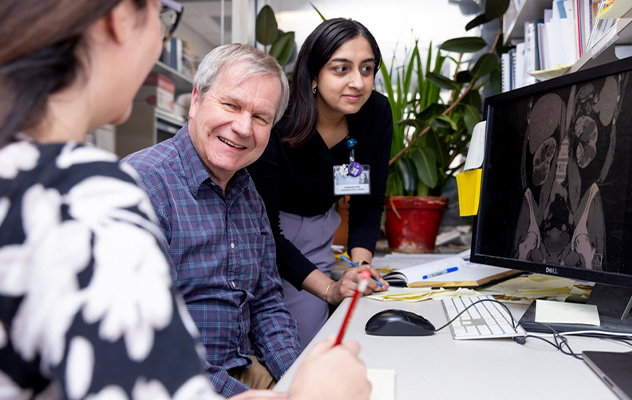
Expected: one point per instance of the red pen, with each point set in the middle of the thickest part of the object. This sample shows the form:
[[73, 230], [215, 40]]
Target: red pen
[[362, 284]]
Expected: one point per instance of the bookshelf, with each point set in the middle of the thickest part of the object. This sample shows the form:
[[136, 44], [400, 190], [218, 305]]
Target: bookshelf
[[513, 22], [604, 51], [148, 125], [184, 84]]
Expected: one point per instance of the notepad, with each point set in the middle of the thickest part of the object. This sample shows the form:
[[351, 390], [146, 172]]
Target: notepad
[[383, 383], [467, 275]]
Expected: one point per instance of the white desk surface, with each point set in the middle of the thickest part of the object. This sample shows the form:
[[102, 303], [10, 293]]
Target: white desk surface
[[438, 367]]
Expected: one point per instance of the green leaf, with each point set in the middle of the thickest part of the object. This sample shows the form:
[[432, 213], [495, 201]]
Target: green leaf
[[394, 184], [430, 111], [479, 20], [408, 173], [439, 148], [282, 48], [485, 65], [408, 122], [321, 15], [387, 83], [473, 98], [496, 8], [448, 120], [464, 77], [266, 28], [500, 47], [426, 164], [409, 70], [495, 81], [468, 44], [443, 128], [441, 81], [471, 117]]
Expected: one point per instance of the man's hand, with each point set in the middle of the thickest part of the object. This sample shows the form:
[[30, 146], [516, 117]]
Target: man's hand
[[331, 372]]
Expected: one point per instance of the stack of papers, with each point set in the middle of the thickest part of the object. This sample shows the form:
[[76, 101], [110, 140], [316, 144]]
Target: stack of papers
[[420, 294], [539, 286]]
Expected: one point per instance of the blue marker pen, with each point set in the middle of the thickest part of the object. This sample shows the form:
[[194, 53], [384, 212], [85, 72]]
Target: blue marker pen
[[354, 265], [445, 271]]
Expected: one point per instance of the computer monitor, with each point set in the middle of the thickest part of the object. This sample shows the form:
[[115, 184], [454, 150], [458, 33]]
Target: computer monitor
[[556, 190]]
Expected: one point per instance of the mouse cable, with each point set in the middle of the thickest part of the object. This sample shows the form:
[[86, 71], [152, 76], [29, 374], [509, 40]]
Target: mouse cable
[[514, 324], [561, 342]]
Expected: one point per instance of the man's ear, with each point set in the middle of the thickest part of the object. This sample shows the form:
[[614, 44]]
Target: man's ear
[[194, 103]]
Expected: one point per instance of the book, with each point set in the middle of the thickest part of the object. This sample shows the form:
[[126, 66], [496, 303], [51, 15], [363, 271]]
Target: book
[[467, 275], [505, 68]]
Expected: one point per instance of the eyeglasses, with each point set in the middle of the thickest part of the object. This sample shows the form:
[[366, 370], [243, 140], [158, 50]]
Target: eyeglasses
[[169, 17]]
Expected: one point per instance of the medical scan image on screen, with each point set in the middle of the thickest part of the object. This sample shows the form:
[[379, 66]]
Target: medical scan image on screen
[[559, 169]]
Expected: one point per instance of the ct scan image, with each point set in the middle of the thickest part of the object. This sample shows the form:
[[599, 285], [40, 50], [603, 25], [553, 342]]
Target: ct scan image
[[559, 163]]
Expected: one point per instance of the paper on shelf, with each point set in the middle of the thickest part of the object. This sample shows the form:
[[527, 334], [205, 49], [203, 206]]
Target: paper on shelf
[[551, 73], [383, 383], [566, 313], [618, 9]]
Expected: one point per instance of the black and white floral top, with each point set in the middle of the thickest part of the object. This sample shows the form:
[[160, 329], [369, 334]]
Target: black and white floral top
[[87, 305]]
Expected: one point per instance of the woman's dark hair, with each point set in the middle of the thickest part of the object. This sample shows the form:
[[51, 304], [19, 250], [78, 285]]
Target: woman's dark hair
[[39, 54], [315, 52]]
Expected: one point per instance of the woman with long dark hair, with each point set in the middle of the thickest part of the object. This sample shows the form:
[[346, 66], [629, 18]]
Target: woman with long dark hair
[[336, 128], [87, 305]]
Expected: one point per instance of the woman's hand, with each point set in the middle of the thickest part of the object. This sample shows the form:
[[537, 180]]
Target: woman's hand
[[331, 372], [346, 286]]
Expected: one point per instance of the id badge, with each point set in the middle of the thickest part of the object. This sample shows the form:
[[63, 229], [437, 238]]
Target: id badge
[[352, 179]]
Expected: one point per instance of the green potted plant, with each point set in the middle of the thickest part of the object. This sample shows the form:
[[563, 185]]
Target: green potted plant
[[431, 129], [267, 33]]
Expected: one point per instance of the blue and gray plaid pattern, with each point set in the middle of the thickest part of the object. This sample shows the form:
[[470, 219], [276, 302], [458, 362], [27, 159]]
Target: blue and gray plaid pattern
[[223, 260]]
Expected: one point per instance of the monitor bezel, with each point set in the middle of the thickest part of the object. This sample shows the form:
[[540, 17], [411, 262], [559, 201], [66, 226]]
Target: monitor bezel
[[579, 77]]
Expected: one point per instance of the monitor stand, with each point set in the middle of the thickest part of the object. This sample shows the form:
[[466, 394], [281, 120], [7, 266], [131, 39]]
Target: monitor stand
[[613, 304]]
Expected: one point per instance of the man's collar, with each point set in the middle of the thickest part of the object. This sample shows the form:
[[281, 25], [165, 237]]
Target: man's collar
[[194, 170]]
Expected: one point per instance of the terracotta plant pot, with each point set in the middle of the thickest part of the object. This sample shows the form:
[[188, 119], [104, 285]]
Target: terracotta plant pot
[[415, 230]]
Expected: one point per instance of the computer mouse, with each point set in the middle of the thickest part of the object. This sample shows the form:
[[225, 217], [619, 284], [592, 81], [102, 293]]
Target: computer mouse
[[398, 323]]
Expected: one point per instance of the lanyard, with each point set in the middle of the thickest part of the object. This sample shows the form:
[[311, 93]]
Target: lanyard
[[350, 145], [354, 169]]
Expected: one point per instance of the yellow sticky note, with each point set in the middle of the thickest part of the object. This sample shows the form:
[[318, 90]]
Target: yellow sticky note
[[469, 184], [566, 313], [382, 382]]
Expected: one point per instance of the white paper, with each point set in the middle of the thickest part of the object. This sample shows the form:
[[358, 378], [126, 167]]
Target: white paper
[[476, 152]]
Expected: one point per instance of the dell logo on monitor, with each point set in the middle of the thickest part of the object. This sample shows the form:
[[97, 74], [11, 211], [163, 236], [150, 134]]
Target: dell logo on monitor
[[550, 270]]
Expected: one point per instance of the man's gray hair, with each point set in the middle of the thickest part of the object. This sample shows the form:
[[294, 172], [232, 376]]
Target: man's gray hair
[[255, 63]]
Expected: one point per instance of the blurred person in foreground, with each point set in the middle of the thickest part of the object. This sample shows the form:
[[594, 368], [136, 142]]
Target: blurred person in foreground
[[87, 306]]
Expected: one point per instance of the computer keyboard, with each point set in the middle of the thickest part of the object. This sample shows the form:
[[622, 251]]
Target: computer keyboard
[[486, 320]]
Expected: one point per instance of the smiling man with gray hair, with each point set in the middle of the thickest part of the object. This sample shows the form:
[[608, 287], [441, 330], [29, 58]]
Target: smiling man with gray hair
[[216, 229]]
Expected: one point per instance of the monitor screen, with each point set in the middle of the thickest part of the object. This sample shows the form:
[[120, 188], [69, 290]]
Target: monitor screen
[[556, 190]]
